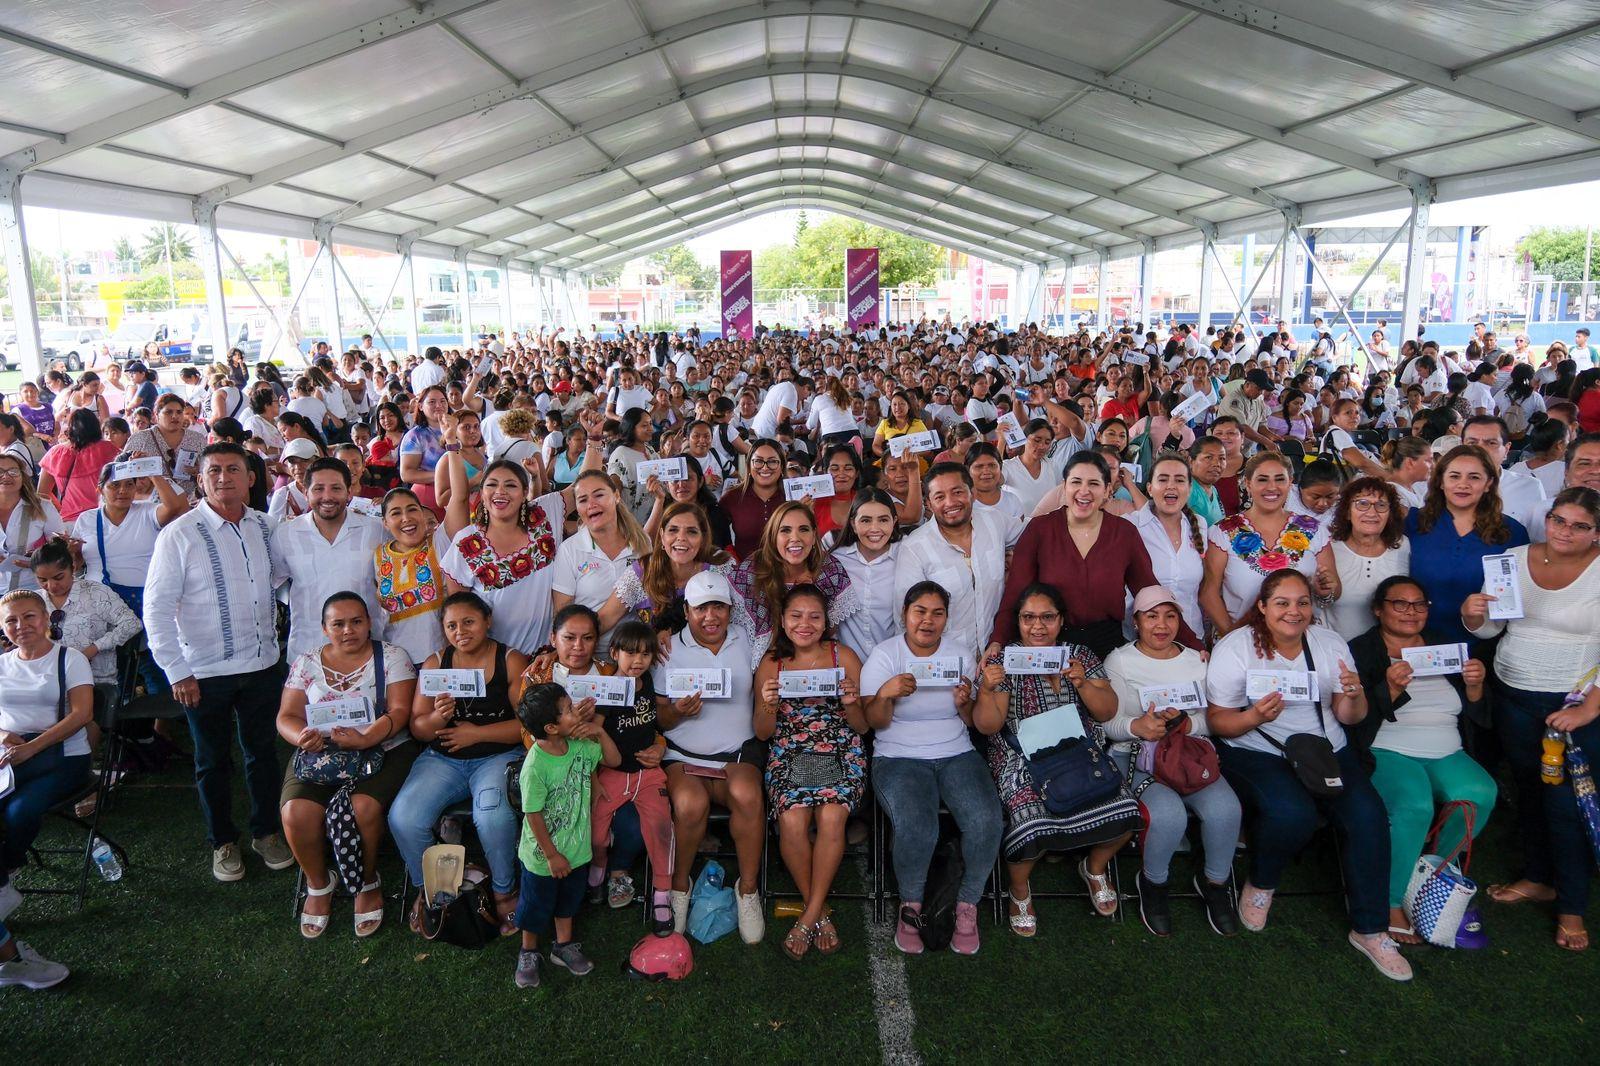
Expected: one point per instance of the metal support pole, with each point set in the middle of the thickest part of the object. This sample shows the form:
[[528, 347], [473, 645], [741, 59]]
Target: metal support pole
[[464, 303], [374, 321], [408, 270], [506, 303], [1208, 253], [1067, 319], [1102, 314], [19, 267], [544, 305], [1416, 249], [1461, 307], [1341, 307], [1310, 245], [1289, 249], [205, 216], [1247, 263], [1147, 281], [335, 329]]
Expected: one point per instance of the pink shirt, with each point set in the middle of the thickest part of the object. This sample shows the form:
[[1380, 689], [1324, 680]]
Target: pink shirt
[[77, 475]]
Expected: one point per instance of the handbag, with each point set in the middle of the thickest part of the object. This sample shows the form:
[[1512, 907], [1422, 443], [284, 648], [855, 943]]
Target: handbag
[[458, 915], [1071, 775], [1311, 755], [1183, 762], [1439, 892]]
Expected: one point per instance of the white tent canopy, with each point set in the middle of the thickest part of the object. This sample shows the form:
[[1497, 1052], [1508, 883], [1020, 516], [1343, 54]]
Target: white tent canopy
[[559, 137]]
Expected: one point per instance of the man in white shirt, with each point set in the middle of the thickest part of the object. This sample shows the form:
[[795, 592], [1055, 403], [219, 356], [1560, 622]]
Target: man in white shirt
[[715, 736], [429, 372], [208, 611], [326, 550], [782, 400], [963, 552], [1583, 471], [1522, 496]]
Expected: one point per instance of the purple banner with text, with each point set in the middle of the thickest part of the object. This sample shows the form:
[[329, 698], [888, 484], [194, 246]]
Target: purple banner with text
[[738, 295], [861, 289]]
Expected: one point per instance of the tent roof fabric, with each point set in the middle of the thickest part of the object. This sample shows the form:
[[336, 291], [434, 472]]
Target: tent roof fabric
[[566, 137]]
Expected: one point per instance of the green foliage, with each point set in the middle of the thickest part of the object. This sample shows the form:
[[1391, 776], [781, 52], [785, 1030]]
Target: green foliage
[[271, 274], [1556, 250], [123, 251], [801, 224], [816, 258], [163, 240], [678, 266], [605, 279], [152, 292]]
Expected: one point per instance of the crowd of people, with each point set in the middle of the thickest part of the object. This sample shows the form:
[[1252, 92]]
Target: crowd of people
[[1034, 593]]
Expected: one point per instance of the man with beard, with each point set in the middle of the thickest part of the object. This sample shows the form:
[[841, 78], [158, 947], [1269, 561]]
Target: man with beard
[[965, 553]]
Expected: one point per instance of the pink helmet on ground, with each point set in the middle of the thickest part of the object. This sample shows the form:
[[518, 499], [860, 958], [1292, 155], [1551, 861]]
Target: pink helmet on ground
[[661, 958]]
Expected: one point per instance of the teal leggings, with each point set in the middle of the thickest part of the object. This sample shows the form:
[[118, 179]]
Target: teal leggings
[[1410, 788]]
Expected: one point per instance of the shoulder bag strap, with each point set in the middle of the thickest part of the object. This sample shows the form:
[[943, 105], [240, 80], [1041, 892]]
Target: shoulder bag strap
[[1311, 668], [100, 541], [61, 679], [380, 690]]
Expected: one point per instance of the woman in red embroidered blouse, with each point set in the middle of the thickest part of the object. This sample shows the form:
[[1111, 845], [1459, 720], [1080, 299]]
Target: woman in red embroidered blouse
[[1092, 558]]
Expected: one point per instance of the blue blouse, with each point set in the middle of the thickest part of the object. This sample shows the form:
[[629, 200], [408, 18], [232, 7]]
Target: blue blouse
[[1450, 567]]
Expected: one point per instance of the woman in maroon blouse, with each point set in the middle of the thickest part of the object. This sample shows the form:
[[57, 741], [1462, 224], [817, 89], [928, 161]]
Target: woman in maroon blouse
[[750, 503], [1089, 556]]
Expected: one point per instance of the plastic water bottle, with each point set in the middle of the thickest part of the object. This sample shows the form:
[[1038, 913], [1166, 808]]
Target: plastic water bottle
[[105, 860]]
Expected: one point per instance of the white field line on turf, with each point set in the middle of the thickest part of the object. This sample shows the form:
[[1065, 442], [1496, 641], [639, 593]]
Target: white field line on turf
[[891, 995]]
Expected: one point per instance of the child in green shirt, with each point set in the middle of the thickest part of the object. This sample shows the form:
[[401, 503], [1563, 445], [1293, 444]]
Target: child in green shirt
[[555, 849]]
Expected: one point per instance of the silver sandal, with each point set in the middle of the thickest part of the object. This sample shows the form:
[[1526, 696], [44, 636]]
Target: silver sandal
[[1024, 922], [1101, 895]]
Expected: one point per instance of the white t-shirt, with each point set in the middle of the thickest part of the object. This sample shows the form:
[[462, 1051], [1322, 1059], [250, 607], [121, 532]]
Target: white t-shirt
[[1129, 669], [781, 395], [628, 399], [926, 724], [312, 408], [1427, 725], [30, 692], [1029, 489], [1235, 655], [722, 725], [588, 575], [129, 546], [827, 417]]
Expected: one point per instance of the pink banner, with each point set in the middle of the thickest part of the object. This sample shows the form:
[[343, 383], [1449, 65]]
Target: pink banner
[[980, 290], [738, 295], [861, 289]]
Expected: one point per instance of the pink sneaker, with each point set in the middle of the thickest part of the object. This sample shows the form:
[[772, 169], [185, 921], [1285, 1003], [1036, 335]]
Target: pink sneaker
[[907, 932], [1254, 903], [1384, 954], [965, 940]]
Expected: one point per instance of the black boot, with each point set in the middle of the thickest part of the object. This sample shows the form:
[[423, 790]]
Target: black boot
[[1219, 906], [1154, 911]]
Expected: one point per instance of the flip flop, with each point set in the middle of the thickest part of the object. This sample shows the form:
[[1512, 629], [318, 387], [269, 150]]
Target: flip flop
[[1400, 933], [1572, 939], [1509, 895]]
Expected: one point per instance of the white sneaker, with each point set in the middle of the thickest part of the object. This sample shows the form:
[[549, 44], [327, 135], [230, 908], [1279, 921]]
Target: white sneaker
[[10, 900], [227, 864], [680, 911], [752, 923], [30, 970]]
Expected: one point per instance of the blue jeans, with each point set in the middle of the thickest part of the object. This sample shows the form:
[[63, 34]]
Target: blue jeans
[[1166, 814], [1283, 816], [246, 706], [1555, 847], [910, 791], [437, 781], [42, 782]]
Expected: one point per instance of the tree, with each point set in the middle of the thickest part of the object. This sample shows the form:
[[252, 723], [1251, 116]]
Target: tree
[[163, 240], [816, 261], [678, 266], [1556, 250], [46, 281], [153, 292], [123, 252], [271, 274], [605, 279], [801, 224]]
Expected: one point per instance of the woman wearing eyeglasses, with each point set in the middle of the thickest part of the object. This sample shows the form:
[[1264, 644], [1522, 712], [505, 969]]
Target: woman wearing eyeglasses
[[1544, 655], [1412, 738], [750, 503], [1369, 546]]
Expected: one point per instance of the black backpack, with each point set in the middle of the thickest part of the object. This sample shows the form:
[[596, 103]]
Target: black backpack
[[939, 895]]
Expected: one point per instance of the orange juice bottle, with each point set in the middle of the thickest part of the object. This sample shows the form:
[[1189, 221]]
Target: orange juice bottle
[[1550, 762]]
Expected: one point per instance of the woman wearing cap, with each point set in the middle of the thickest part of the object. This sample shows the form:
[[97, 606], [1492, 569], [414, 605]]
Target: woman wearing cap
[[1412, 741], [290, 500], [1277, 634], [1459, 522], [1004, 702], [1156, 661], [1544, 679], [923, 758], [1260, 540], [168, 439]]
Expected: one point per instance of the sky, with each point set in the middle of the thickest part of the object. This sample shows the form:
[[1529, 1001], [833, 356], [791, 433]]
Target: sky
[[1512, 214]]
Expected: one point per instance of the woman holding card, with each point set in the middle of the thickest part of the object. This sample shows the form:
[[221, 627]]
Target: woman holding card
[[1412, 741], [1008, 698], [900, 421], [633, 447], [692, 489], [1155, 661], [1460, 521], [1032, 473], [923, 758], [1273, 650], [350, 818], [816, 766], [843, 465], [470, 742], [790, 554], [1261, 540], [1548, 652]]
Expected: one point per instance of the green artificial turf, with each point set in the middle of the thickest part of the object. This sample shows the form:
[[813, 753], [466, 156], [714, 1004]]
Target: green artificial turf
[[169, 966]]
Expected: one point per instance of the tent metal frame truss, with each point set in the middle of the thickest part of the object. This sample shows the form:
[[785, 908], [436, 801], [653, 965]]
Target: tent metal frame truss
[[559, 139]]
